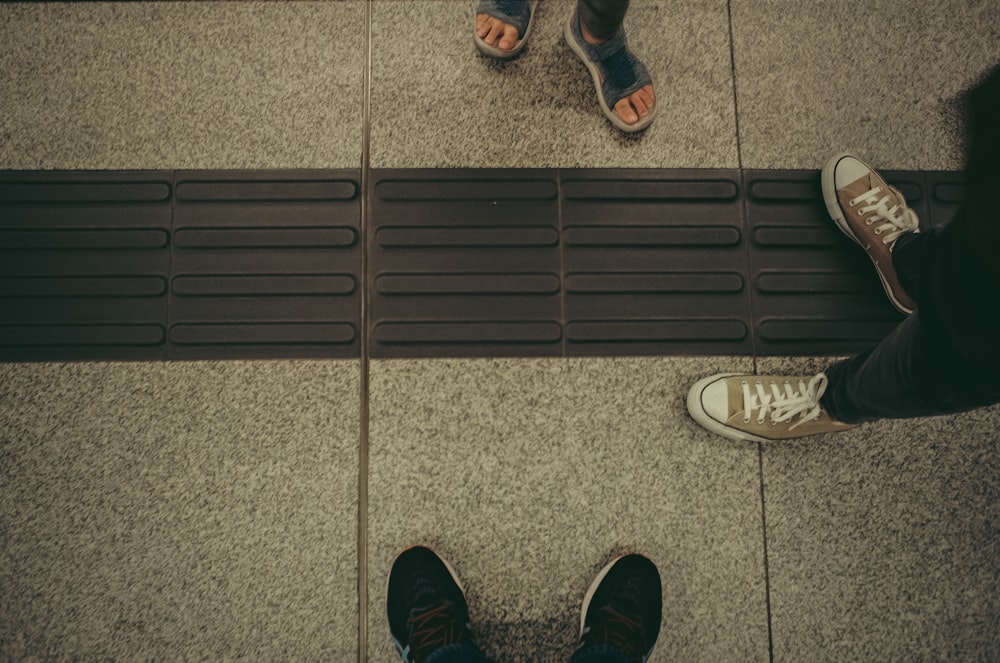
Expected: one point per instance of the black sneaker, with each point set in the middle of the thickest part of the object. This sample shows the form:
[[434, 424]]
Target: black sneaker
[[623, 608], [426, 605]]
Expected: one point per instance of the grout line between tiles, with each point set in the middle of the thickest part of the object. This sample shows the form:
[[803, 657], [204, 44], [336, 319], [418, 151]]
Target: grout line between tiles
[[167, 316], [562, 260], [745, 228], [744, 222], [732, 65], [767, 569], [363, 430]]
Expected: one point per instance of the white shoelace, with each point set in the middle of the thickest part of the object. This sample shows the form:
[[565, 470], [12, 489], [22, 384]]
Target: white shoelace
[[895, 220], [783, 406]]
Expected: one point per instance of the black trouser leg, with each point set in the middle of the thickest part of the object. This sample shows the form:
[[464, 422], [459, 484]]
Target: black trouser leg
[[602, 17]]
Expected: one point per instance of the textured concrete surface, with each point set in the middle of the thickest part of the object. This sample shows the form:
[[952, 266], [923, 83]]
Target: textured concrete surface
[[209, 510], [181, 85], [178, 511], [528, 475], [882, 540], [436, 102], [280, 85], [881, 79]]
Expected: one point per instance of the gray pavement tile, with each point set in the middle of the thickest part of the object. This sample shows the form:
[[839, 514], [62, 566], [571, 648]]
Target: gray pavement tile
[[881, 79], [179, 511], [882, 540], [528, 475], [436, 102], [156, 85]]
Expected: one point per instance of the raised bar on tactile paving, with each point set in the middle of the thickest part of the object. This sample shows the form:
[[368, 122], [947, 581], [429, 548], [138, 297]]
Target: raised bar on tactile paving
[[266, 264], [814, 291], [84, 262], [465, 263], [655, 262]]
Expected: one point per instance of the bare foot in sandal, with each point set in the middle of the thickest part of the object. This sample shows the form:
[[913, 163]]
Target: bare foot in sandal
[[495, 32], [637, 105], [503, 26]]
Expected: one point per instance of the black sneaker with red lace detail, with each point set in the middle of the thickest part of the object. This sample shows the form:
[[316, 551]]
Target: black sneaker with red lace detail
[[426, 605], [623, 608]]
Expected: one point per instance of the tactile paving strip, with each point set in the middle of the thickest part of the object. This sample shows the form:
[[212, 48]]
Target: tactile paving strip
[[655, 263], [267, 264], [944, 197], [84, 265], [814, 291], [465, 263], [185, 265]]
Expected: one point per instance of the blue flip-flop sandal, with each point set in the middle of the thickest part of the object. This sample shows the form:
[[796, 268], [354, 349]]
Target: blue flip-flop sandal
[[519, 13], [617, 73]]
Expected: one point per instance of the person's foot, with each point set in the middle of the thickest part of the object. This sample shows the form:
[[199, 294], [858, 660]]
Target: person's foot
[[623, 608], [624, 86], [636, 106], [503, 26], [495, 32], [873, 214], [426, 605], [760, 408]]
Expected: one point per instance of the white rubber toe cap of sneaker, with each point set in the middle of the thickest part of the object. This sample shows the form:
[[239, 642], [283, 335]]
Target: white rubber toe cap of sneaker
[[715, 400], [849, 170]]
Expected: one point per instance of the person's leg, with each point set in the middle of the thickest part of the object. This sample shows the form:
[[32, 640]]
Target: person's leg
[[943, 358], [602, 18], [621, 613], [427, 611], [981, 226], [596, 34]]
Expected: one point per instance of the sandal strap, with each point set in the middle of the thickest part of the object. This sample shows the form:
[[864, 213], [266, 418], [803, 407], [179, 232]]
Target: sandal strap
[[514, 12], [621, 72]]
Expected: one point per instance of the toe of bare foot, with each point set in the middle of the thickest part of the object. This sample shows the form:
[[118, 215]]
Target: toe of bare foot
[[495, 32], [636, 106]]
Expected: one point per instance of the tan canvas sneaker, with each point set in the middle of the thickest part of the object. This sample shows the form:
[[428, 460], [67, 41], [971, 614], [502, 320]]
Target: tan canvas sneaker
[[873, 214], [762, 408]]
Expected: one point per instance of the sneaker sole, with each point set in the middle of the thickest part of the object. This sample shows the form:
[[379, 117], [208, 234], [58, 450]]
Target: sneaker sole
[[698, 413], [828, 181], [589, 596]]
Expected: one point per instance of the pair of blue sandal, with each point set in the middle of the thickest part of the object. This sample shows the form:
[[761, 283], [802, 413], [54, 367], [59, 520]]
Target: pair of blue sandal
[[617, 73]]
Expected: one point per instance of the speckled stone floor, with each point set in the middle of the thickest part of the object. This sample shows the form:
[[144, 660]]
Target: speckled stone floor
[[251, 509]]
